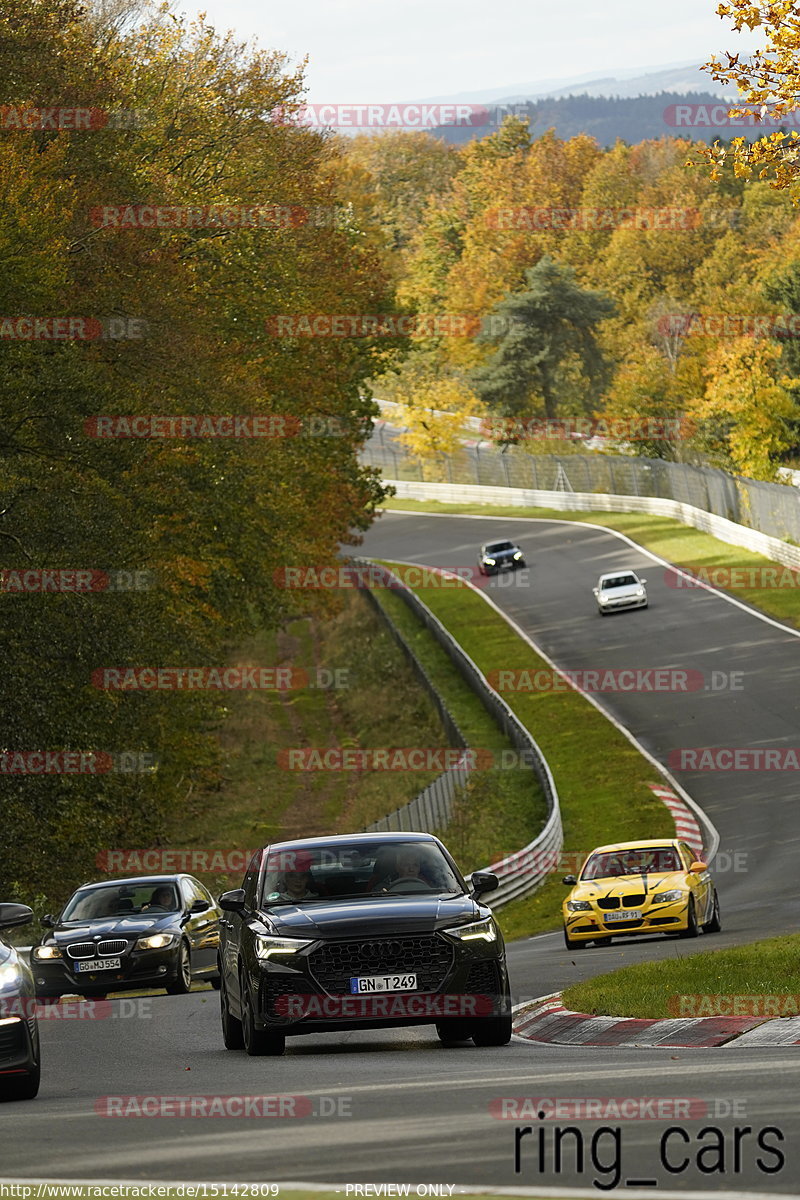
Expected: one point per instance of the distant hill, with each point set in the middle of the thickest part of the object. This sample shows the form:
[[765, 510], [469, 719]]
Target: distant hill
[[700, 116]]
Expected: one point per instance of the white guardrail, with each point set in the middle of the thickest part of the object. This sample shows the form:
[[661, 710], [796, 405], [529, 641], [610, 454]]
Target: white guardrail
[[719, 527], [525, 870]]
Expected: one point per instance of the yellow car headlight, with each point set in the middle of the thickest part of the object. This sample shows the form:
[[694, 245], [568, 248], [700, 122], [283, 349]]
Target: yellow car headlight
[[579, 906], [668, 897]]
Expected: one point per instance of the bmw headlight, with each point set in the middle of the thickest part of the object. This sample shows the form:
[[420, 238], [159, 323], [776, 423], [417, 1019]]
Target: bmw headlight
[[44, 953], [269, 947], [579, 906], [477, 930], [10, 977], [156, 941], [668, 897]]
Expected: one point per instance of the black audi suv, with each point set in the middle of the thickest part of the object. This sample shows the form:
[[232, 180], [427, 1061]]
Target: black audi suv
[[495, 557], [19, 1031], [363, 931], [151, 931]]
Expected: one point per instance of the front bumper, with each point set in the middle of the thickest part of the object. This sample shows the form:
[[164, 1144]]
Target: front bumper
[[622, 605], [661, 918], [18, 1052], [138, 969], [474, 987], [509, 564]]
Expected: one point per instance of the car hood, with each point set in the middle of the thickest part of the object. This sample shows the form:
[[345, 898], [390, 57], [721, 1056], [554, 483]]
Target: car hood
[[369, 918], [111, 927], [630, 885], [501, 553]]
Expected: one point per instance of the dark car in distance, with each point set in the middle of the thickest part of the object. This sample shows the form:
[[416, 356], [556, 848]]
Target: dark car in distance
[[363, 931], [19, 1032], [145, 932], [495, 557]]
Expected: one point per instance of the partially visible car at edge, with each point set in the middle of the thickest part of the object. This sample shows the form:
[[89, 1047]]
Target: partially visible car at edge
[[149, 931], [653, 886], [364, 947], [20, 1063], [620, 589], [495, 557]]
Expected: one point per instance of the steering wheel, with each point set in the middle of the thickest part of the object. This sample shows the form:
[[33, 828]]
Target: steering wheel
[[410, 884]]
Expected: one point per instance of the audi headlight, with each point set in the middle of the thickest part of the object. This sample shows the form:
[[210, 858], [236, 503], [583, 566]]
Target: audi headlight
[[477, 930], [579, 906], [270, 947], [667, 897], [489, 562], [156, 941], [10, 977], [518, 554], [43, 953]]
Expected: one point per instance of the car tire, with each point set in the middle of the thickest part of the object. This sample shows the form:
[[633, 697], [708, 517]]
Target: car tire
[[231, 1026], [601, 612], [183, 978], [692, 928], [257, 1042], [453, 1030], [604, 941], [571, 943], [21, 1087], [521, 565], [714, 925], [216, 982], [492, 1031]]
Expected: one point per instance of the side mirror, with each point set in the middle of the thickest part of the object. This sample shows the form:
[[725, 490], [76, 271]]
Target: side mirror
[[48, 922], [482, 882], [232, 901], [642, 581], [595, 591], [570, 879], [199, 906], [698, 867], [15, 914]]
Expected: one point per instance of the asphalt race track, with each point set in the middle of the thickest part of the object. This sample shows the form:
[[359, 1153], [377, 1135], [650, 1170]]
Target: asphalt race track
[[398, 1107]]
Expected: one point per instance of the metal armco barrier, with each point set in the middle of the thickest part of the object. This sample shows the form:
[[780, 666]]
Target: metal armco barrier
[[525, 870]]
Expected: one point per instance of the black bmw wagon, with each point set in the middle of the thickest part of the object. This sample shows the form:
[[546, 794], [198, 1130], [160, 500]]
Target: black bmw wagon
[[364, 931]]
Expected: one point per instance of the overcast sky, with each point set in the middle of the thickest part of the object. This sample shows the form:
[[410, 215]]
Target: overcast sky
[[397, 50]]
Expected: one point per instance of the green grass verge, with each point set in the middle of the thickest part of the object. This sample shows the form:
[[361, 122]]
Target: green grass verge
[[380, 704], [700, 984], [496, 812], [672, 540], [602, 780]]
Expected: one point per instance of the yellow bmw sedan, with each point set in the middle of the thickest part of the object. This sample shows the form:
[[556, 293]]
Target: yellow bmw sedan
[[657, 886]]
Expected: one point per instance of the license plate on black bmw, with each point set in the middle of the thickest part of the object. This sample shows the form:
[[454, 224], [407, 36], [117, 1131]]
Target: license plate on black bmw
[[382, 983]]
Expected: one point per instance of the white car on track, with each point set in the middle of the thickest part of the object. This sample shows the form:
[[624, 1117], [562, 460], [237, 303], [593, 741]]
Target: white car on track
[[620, 589]]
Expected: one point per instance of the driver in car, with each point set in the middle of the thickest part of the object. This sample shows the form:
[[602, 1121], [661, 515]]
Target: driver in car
[[407, 867], [297, 886]]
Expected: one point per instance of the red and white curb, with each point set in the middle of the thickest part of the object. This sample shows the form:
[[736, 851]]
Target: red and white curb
[[549, 1022], [686, 826]]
